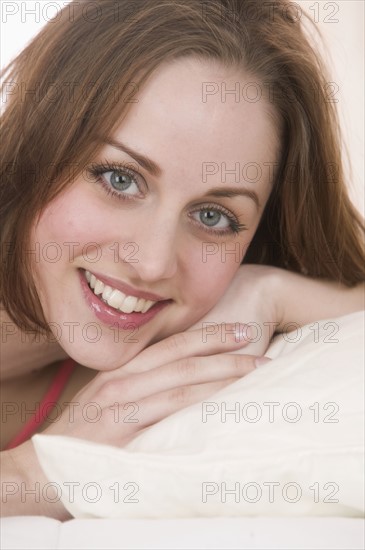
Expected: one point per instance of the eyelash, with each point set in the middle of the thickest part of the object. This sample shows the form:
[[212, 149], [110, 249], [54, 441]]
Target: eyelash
[[97, 170], [234, 226]]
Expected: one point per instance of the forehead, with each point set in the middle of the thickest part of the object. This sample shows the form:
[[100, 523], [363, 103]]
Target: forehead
[[193, 111]]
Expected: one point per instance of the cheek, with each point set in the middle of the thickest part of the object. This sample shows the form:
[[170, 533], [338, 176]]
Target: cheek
[[72, 227], [66, 219], [211, 271]]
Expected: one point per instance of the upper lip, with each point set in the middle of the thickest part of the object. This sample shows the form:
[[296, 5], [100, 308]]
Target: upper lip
[[127, 289]]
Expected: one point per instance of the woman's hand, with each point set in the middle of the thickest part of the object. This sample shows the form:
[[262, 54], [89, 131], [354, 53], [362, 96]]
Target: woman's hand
[[270, 299], [170, 375], [251, 298]]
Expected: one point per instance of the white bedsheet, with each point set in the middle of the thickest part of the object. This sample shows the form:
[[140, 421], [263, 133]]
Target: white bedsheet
[[204, 533]]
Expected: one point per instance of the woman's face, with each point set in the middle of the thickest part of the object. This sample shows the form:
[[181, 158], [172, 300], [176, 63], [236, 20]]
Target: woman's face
[[173, 228]]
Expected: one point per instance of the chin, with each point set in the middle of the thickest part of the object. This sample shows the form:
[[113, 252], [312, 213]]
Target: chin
[[101, 359]]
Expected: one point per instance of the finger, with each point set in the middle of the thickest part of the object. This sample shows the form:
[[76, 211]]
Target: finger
[[207, 341], [185, 372], [159, 406]]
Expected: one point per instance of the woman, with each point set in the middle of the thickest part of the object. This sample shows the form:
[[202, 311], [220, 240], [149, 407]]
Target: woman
[[135, 183]]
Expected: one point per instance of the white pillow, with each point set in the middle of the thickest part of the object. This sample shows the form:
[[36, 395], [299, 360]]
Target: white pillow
[[303, 456]]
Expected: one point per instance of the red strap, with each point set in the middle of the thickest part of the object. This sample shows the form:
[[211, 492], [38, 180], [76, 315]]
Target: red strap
[[43, 409]]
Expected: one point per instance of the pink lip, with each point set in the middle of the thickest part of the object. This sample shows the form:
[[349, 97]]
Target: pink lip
[[110, 316], [128, 290]]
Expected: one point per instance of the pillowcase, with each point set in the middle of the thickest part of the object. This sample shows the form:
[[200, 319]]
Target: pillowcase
[[285, 440]]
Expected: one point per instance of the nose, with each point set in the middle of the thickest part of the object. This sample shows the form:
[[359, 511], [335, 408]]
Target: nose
[[156, 249]]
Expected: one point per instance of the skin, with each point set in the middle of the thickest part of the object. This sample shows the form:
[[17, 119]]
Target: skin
[[162, 217]]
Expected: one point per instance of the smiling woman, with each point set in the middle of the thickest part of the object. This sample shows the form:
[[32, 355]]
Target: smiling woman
[[135, 184], [183, 212]]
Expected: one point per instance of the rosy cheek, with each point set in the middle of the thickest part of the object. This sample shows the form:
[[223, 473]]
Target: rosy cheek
[[211, 273], [74, 221]]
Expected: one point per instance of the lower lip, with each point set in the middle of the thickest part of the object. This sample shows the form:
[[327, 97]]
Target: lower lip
[[111, 317]]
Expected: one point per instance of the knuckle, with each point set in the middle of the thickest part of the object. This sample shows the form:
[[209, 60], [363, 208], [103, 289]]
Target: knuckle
[[187, 367], [242, 362], [180, 394], [176, 342], [238, 362], [112, 390]]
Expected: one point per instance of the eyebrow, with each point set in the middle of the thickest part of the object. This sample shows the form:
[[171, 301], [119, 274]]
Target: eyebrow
[[155, 170], [234, 192], [143, 161]]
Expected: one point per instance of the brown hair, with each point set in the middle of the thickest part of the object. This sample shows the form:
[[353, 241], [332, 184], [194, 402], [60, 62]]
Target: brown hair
[[75, 80]]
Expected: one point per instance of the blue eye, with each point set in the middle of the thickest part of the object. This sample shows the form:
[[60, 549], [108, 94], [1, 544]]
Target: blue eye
[[117, 180], [121, 181], [213, 218], [217, 220]]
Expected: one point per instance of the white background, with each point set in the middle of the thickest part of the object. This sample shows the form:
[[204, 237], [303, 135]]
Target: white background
[[342, 25]]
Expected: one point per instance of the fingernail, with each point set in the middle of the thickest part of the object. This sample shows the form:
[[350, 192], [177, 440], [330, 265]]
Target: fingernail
[[260, 361], [242, 333]]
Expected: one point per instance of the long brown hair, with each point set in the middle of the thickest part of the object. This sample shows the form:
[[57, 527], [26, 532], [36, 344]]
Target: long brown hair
[[77, 78]]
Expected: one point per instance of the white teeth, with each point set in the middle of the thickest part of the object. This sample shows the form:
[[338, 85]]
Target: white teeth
[[99, 287], [128, 304], [117, 299], [107, 292], [141, 302], [92, 281], [147, 306]]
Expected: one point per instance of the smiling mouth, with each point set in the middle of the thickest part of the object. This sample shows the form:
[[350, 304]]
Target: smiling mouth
[[116, 299]]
